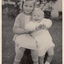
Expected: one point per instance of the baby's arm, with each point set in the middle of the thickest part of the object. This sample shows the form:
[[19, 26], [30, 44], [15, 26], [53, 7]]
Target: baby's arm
[[44, 25], [30, 27], [48, 23]]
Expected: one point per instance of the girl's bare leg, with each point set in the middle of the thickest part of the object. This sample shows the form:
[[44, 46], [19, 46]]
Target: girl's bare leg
[[41, 60], [19, 55], [34, 55]]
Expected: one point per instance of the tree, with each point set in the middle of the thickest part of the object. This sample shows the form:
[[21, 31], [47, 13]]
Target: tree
[[51, 0], [48, 7], [5, 0], [15, 0]]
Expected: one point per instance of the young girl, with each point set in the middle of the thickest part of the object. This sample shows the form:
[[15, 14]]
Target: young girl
[[22, 38], [39, 26]]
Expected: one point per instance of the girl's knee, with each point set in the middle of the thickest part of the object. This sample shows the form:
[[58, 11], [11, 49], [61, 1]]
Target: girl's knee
[[22, 49]]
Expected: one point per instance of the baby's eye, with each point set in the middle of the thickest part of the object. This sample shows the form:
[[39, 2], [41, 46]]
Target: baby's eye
[[34, 15], [30, 6], [38, 15]]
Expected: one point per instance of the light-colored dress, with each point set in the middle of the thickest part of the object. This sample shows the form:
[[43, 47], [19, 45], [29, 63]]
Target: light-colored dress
[[23, 40], [43, 37]]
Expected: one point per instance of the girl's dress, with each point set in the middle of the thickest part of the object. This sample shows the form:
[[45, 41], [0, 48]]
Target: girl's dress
[[23, 40], [43, 37]]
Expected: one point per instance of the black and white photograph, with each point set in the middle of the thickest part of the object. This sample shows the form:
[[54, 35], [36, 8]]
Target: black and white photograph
[[32, 31]]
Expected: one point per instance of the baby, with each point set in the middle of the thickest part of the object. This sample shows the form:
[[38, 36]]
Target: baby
[[39, 27]]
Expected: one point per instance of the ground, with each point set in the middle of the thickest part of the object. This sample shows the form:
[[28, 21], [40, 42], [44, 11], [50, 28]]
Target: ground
[[8, 47]]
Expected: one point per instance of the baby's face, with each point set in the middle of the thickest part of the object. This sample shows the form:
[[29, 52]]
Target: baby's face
[[37, 17]]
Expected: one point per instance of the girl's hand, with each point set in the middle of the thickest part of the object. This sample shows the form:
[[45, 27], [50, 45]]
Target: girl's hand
[[43, 26], [19, 31], [40, 27], [27, 32]]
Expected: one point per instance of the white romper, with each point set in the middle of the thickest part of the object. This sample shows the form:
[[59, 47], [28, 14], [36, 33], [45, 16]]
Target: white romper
[[43, 37]]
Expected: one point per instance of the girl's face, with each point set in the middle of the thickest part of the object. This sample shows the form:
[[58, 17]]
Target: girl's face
[[37, 17], [28, 7]]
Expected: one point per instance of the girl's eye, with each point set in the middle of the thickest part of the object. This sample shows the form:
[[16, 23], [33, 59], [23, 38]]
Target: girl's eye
[[26, 5]]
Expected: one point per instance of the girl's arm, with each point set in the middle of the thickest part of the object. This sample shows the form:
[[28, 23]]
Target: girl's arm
[[16, 27], [18, 30]]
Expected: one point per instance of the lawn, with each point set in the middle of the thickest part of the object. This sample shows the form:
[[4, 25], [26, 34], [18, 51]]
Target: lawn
[[8, 47]]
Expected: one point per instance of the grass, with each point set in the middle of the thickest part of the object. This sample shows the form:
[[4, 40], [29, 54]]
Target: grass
[[8, 48]]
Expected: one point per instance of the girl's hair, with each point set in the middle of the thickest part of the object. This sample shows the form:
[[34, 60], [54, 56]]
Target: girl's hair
[[27, 1], [22, 5]]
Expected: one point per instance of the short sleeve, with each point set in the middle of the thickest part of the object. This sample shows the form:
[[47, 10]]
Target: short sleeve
[[48, 23], [17, 22]]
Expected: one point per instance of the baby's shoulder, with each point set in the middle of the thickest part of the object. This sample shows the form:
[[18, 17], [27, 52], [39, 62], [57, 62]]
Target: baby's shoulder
[[45, 19]]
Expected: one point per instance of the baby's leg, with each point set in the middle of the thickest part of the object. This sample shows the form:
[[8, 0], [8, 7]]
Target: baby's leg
[[34, 55], [50, 55], [41, 60], [19, 55]]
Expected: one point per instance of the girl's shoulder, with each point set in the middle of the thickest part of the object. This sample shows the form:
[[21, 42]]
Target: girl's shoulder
[[20, 15]]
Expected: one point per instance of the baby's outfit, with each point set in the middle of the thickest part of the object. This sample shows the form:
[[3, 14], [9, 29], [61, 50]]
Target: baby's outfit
[[42, 36]]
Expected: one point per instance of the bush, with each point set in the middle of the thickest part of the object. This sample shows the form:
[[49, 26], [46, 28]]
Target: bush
[[10, 10], [12, 13], [47, 14], [60, 15], [4, 6]]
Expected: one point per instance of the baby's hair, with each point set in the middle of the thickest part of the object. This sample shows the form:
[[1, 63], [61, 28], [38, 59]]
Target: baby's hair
[[38, 10]]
